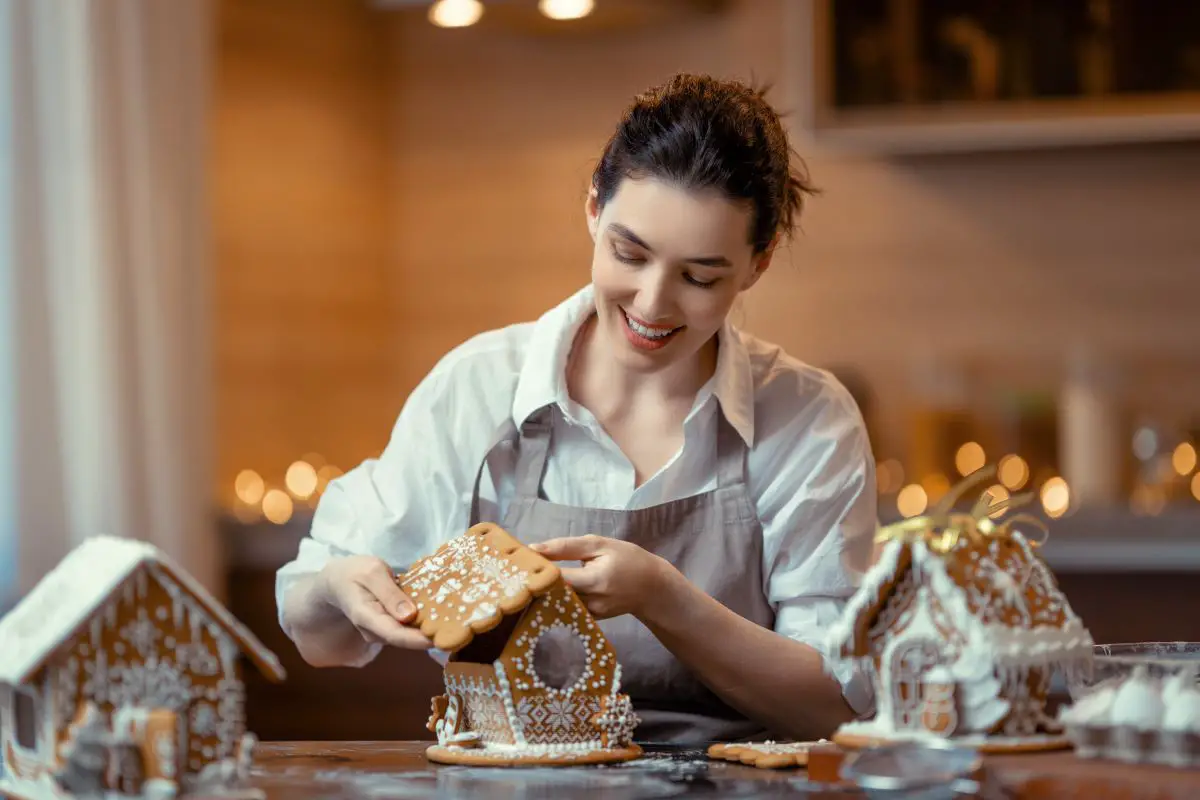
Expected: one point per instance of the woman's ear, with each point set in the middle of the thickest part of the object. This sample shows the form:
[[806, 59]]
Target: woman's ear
[[591, 208], [760, 264]]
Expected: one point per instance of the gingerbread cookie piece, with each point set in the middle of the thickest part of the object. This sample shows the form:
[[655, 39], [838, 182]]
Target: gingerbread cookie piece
[[765, 755], [961, 624], [472, 582], [531, 678]]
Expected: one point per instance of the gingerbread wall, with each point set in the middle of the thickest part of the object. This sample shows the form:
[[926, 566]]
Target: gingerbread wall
[[153, 645]]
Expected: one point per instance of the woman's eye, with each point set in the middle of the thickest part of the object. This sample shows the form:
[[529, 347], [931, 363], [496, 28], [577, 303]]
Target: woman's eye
[[700, 283], [626, 256]]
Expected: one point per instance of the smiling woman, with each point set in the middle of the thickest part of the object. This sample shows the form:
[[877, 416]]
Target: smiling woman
[[733, 484]]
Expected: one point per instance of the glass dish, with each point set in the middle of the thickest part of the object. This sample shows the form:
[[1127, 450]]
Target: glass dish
[[1115, 661]]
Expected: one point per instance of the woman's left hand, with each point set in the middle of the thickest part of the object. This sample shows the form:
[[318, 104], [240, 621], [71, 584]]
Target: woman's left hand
[[615, 578]]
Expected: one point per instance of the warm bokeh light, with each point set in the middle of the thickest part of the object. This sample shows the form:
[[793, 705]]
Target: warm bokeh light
[[1145, 444], [566, 9], [889, 476], [1013, 472], [1056, 497], [455, 13], [935, 486], [1184, 458], [301, 479], [249, 487], [277, 506], [1148, 499], [969, 458], [911, 500], [999, 494], [325, 474], [1196, 486]]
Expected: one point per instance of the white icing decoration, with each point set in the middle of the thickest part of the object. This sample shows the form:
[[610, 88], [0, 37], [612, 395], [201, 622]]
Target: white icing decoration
[[108, 587], [1022, 629]]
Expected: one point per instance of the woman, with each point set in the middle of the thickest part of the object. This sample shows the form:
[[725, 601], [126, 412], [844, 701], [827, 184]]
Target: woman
[[717, 494]]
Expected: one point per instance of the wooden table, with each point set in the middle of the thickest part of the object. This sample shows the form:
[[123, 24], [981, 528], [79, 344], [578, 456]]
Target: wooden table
[[395, 770]]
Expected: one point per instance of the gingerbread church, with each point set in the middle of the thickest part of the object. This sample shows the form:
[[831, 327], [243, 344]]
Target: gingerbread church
[[120, 677], [531, 679], [961, 625]]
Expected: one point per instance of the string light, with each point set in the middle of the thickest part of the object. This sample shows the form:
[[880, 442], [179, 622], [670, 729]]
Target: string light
[[911, 500], [1056, 497], [249, 487], [999, 494], [1184, 458], [1013, 472], [301, 480], [969, 458], [277, 506]]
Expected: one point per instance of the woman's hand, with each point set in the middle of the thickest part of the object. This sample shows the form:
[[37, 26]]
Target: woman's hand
[[363, 589], [616, 577]]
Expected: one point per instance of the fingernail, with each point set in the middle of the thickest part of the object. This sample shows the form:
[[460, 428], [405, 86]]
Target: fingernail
[[404, 609]]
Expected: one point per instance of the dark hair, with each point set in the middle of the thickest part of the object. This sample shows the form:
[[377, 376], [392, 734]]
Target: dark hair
[[703, 133]]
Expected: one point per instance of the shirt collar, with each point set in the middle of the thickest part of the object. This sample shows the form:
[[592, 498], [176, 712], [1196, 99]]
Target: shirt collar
[[543, 378]]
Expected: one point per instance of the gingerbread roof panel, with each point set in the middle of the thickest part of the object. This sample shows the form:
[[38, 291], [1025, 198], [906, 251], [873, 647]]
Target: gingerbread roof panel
[[78, 587], [472, 582], [999, 593]]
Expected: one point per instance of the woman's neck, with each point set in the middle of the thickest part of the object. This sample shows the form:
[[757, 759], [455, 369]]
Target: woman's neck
[[598, 380]]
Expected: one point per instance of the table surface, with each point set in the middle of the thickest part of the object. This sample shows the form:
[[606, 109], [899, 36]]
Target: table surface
[[393, 770]]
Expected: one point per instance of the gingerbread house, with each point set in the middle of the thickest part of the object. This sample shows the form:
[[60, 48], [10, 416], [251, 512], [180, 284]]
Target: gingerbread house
[[961, 625], [119, 677], [530, 677]]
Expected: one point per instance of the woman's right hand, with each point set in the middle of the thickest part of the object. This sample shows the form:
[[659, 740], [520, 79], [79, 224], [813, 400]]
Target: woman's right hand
[[363, 589]]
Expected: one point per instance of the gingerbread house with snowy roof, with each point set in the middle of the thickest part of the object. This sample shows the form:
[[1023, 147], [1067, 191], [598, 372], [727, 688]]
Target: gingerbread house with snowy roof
[[120, 677], [961, 625], [530, 677]]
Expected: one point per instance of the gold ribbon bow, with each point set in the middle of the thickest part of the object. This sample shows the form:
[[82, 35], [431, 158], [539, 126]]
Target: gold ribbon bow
[[943, 528]]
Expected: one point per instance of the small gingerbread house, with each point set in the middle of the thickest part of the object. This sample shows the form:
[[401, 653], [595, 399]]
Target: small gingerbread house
[[961, 625], [530, 677], [120, 675]]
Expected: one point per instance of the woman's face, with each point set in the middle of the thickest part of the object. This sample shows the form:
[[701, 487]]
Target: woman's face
[[668, 264]]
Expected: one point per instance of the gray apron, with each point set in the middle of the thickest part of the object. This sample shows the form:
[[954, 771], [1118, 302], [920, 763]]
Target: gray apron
[[714, 539]]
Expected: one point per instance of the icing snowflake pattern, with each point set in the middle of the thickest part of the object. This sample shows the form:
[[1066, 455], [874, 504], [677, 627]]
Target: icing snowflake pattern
[[158, 684], [142, 634], [204, 719], [550, 719]]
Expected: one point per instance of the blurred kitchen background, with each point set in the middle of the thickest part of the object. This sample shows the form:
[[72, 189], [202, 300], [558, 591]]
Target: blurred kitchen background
[[234, 234]]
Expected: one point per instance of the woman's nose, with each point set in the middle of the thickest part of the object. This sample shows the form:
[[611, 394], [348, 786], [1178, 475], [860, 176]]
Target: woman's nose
[[654, 295]]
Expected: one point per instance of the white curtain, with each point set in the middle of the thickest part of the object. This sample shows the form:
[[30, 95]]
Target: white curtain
[[109, 278]]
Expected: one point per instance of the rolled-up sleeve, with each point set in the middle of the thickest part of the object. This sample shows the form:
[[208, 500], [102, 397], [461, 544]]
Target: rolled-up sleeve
[[401, 505], [819, 512]]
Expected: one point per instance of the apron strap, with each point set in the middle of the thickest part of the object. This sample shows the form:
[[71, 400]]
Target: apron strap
[[731, 454], [535, 451], [505, 433]]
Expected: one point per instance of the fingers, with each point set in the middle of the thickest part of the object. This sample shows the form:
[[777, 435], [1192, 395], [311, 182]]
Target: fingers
[[574, 548], [583, 579], [375, 624], [379, 582]]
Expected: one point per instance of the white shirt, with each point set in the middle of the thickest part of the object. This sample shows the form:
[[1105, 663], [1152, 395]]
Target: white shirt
[[810, 470]]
